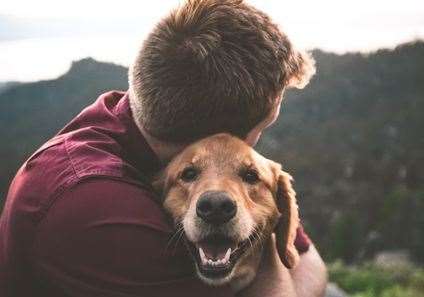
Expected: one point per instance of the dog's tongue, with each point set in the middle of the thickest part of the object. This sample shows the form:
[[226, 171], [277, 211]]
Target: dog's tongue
[[214, 251]]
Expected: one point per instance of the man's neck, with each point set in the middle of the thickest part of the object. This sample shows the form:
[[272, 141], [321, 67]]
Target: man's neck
[[164, 150]]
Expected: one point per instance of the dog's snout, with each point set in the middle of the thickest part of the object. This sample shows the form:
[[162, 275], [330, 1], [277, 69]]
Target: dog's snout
[[216, 207]]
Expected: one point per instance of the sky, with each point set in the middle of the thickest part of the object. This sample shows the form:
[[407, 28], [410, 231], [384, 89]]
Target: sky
[[39, 39]]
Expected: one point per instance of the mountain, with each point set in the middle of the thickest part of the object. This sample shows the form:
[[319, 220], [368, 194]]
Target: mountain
[[6, 85], [353, 139], [31, 113]]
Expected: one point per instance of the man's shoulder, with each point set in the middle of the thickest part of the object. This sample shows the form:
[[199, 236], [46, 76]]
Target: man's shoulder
[[114, 201], [60, 166], [41, 176]]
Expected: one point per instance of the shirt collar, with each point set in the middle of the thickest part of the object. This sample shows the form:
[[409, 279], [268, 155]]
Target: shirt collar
[[138, 150]]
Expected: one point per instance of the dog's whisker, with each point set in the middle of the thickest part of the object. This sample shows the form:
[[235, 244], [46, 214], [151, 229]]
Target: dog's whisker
[[179, 230], [250, 242], [259, 237], [179, 227], [179, 238]]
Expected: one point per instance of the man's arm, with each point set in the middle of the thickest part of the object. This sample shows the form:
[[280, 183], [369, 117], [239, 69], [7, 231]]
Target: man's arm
[[310, 275], [307, 279], [109, 238]]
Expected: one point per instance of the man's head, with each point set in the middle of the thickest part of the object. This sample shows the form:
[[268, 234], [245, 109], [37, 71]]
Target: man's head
[[213, 66]]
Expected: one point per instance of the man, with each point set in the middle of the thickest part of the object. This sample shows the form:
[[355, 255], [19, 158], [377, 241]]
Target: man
[[81, 218]]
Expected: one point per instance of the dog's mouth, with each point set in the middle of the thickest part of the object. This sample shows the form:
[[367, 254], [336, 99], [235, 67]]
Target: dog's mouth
[[216, 255]]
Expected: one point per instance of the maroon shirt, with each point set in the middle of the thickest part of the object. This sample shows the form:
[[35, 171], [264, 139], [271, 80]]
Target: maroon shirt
[[81, 219]]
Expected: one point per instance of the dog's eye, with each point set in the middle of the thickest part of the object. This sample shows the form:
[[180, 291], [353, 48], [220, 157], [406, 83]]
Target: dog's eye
[[189, 174], [250, 176]]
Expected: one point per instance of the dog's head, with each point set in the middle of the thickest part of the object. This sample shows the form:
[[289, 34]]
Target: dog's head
[[229, 199]]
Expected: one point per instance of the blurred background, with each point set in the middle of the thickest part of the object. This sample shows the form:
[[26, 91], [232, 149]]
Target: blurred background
[[353, 138]]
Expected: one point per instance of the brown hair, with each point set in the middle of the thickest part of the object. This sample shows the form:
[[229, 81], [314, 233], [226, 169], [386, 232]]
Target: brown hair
[[212, 66]]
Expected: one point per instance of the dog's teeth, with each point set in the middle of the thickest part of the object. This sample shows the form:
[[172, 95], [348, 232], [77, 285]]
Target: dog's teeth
[[227, 256], [218, 262], [202, 256]]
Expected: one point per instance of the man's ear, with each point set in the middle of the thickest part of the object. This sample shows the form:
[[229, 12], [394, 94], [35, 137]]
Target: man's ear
[[285, 230], [299, 67]]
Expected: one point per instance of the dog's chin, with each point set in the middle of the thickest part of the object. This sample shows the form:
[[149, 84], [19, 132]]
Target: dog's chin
[[217, 255]]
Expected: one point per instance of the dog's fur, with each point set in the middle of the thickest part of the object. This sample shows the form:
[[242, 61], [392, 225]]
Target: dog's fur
[[263, 207]]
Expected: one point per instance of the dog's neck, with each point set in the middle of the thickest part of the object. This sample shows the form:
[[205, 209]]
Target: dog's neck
[[247, 271]]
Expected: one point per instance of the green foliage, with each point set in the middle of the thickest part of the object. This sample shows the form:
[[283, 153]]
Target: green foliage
[[372, 281], [345, 235], [400, 220]]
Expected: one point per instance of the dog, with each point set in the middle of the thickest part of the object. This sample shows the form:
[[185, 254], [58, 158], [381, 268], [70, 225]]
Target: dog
[[228, 200]]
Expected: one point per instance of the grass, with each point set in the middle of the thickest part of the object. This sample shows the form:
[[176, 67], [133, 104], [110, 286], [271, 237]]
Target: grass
[[369, 280]]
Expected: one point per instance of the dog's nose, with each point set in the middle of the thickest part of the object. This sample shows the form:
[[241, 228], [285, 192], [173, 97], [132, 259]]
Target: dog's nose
[[215, 207]]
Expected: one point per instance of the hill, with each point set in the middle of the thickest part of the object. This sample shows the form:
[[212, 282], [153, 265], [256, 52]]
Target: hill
[[31, 113], [6, 85], [352, 139]]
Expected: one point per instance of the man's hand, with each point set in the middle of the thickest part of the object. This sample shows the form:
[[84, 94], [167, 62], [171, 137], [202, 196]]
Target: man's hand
[[307, 279]]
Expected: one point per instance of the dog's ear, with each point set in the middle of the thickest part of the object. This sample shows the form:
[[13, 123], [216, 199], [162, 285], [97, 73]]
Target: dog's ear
[[288, 223], [160, 184]]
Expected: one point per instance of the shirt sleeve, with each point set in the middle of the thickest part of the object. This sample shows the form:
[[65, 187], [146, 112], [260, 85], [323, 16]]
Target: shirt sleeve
[[110, 238]]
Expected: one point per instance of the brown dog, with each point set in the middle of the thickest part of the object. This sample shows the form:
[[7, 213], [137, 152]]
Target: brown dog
[[229, 199]]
